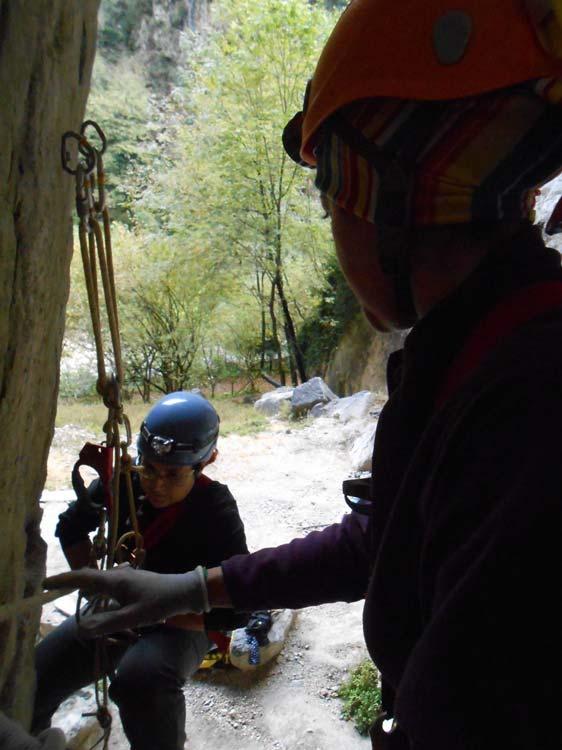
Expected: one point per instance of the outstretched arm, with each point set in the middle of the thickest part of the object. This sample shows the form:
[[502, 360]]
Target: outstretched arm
[[324, 566]]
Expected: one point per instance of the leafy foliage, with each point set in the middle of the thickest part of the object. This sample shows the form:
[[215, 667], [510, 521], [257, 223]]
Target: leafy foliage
[[151, 31], [247, 216], [322, 330], [119, 25], [207, 208], [361, 695], [168, 338], [125, 120]]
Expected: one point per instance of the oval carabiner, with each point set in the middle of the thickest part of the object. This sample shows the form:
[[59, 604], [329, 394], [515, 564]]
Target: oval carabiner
[[83, 148], [101, 135]]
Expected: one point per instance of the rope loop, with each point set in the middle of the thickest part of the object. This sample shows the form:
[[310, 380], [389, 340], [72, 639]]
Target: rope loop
[[110, 391], [97, 257], [104, 717]]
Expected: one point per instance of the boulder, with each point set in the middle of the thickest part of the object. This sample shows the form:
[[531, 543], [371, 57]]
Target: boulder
[[346, 409], [270, 403], [361, 452], [307, 395]]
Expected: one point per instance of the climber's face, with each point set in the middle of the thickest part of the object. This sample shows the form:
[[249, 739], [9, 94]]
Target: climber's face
[[165, 485], [356, 247]]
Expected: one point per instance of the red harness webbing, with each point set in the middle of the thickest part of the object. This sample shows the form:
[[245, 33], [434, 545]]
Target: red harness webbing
[[165, 521], [500, 322]]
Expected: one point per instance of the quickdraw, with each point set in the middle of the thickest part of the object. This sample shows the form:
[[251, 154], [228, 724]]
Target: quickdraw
[[110, 460]]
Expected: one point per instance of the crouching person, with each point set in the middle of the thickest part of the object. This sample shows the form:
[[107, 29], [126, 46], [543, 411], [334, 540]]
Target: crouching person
[[187, 520]]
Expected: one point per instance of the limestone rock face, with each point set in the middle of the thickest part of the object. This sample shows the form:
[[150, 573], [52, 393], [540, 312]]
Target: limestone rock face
[[359, 362], [46, 53]]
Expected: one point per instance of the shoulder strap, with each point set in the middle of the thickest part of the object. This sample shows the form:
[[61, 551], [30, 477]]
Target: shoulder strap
[[163, 524], [501, 322]]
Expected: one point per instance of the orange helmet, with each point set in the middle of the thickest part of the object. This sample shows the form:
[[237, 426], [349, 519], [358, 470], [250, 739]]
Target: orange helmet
[[431, 50]]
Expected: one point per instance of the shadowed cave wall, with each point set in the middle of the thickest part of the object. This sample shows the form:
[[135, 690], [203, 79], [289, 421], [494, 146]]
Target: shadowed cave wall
[[47, 49]]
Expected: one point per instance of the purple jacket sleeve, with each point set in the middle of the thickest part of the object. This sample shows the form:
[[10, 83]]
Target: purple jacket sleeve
[[324, 566]]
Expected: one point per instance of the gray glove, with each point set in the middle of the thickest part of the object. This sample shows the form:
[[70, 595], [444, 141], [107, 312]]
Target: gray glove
[[14, 737], [145, 597]]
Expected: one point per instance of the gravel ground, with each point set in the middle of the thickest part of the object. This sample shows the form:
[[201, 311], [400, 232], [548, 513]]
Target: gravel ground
[[287, 482]]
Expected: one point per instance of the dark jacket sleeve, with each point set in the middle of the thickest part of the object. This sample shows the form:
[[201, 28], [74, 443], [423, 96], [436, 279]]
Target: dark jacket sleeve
[[80, 519], [324, 566]]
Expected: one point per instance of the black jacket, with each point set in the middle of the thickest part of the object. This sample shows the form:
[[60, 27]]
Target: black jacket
[[208, 530], [463, 559], [461, 613]]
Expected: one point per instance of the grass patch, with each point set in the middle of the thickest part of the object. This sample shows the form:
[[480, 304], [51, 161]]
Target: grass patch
[[361, 696], [236, 416]]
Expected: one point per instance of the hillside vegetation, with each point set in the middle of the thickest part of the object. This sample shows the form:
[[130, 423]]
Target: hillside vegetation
[[224, 263]]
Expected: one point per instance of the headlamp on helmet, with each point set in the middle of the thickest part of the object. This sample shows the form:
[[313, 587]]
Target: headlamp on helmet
[[181, 429]]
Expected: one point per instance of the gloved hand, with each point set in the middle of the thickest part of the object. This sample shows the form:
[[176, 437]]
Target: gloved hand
[[14, 737], [145, 597]]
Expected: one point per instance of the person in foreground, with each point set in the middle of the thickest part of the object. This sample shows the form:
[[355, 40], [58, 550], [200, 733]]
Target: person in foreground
[[431, 125], [186, 520]]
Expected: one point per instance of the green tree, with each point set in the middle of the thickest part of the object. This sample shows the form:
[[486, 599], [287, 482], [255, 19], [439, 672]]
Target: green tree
[[119, 24], [248, 216], [151, 30], [126, 121], [168, 338], [324, 326]]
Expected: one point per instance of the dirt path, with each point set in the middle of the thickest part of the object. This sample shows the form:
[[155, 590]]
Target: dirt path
[[287, 482]]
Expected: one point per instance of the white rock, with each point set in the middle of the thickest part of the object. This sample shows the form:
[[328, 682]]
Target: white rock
[[307, 395], [346, 409], [361, 452], [270, 403]]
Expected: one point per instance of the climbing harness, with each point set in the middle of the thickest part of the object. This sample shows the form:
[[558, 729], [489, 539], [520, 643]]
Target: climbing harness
[[111, 460]]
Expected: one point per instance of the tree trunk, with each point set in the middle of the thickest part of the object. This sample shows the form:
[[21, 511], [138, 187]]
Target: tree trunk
[[275, 336], [290, 329], [291, 358], [263, 328], [46, 52]]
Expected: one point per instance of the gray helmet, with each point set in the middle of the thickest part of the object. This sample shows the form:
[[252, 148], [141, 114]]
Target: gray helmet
[[181, 429]]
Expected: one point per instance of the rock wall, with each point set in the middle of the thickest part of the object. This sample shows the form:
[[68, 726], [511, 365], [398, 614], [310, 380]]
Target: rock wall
[[46, 53], [359, 362]]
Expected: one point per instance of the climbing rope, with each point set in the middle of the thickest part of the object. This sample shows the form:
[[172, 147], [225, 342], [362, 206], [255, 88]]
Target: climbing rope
[[94, 233], [29, 604]]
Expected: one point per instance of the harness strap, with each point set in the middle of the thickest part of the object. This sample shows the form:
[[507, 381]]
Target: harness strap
[[502, 321]]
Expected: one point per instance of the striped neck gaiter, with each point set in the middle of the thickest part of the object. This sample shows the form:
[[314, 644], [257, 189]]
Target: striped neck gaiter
[[473, 160]]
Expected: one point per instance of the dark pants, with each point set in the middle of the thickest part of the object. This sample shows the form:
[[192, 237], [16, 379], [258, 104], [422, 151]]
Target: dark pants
[[147, 686]]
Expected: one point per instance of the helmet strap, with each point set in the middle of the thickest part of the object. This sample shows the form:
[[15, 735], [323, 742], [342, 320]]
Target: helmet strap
[[393, 248], [394, 236]]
